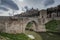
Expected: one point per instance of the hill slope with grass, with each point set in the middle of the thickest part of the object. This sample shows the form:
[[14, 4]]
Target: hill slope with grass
[[53, 25], [5, 36], [36, 35]]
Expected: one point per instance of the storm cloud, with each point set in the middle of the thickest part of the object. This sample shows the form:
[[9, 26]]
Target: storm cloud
[[9, 3], [41, 4], [48, 2], [33, 1], [3, 9]]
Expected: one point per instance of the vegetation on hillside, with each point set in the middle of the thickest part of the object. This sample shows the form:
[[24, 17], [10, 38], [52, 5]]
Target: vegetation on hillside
[[29, 25], [53, 25], [49, 36], [36, 35], [15, 36]]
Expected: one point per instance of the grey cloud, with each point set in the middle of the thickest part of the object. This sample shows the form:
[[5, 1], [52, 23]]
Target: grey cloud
[[33, 2], [49, 2], [4, 9], [10, 4]]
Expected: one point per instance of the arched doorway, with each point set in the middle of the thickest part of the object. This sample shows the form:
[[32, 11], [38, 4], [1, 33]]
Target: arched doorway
[[32, 26]]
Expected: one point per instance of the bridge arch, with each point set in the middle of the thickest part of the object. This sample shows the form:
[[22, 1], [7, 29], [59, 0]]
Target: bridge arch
[[33, 25]]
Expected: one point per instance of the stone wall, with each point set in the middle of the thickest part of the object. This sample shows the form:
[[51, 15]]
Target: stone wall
[[13, 25], [2, 26], [18, 24]]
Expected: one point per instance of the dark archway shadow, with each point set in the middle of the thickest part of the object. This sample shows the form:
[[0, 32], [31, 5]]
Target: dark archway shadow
[[32, 26]]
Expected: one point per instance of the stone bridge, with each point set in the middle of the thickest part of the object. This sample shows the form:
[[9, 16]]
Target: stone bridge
[[18, 24], [38, 27]]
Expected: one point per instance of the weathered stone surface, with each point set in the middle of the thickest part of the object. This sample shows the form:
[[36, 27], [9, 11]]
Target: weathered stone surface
[[17, 24]]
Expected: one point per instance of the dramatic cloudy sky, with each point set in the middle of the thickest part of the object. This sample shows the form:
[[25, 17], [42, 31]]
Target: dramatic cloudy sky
[[40, 4]]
